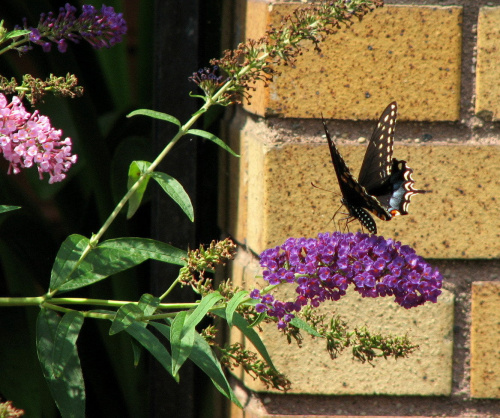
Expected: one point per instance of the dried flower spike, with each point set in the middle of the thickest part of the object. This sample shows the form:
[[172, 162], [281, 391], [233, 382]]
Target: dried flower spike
[[7, 410], [34, 89], [205, 260], [256, 60]]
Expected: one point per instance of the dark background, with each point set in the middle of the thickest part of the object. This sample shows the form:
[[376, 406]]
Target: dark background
[[166, 42]]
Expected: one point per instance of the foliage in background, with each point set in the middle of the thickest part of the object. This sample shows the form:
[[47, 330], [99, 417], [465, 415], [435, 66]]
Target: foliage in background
[[106, 142]]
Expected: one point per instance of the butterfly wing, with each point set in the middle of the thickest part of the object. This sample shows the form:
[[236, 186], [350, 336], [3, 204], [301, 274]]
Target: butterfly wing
[[354, 196], [398, 190], [385, 185], [377, 164], [388, 179]]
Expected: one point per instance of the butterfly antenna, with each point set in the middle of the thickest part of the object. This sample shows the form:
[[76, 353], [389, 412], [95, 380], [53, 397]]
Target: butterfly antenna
[[319, 188], [324, 190]]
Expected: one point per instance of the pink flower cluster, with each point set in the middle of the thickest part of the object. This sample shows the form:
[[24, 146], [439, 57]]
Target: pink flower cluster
[[27, 139]]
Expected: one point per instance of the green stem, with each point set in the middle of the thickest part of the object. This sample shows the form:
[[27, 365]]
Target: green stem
[[170, 288], [57, 308], [13, 45], [182, 131], [29, 301], [35, 301], [95, 315]]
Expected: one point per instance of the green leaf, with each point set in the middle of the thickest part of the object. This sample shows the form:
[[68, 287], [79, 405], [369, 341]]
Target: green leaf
[[156, 115], [136, 169], [16, 33], [201, 310], [174, 189], [213, 138], [258, 319], [109, 257], [145, 248], [183, 330], [66, 385], [249, 332], [299, 323], [203, 356], [5, 208], [125, 316], [148, 305], [181, 341], [66, 260], [233, 304], [151, 343], [65, 342], [131, 148], [46, 328]]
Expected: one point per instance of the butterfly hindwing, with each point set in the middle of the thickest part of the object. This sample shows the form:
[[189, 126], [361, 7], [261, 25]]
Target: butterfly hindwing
[[399, 189]]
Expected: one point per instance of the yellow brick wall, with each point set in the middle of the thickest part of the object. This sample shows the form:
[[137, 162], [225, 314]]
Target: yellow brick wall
[[485, 340], [488, 61], [447, 130], [408, 53]]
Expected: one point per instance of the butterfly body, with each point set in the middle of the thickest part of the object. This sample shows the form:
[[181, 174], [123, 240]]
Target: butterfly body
[[384, 186]]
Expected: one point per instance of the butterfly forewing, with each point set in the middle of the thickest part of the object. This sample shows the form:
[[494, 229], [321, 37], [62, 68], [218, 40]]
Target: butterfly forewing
[[354, 196], [377, 164]]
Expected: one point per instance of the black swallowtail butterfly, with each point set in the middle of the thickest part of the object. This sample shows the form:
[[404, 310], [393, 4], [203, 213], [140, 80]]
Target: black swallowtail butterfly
[[384, 186]]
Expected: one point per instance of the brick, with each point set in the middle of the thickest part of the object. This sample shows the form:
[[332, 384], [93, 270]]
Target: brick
[[428, 371], [485, 340], [257, 411], [233, 182], [459, 218], [488, 63], [411, 54]]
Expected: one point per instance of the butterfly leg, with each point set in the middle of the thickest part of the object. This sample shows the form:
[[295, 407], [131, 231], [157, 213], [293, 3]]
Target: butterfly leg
[[343, 223], [340, 222]]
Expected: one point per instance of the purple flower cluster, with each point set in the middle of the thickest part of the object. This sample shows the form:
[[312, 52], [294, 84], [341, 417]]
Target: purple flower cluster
[[323, 268], [27, 139], [102, 29]]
